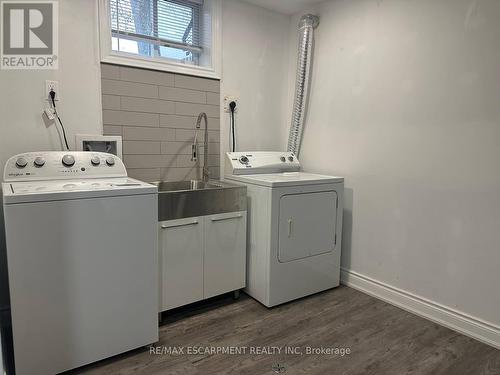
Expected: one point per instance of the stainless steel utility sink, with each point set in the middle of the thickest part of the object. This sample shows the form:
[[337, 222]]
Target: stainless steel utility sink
[[164, 187], [180, 199]]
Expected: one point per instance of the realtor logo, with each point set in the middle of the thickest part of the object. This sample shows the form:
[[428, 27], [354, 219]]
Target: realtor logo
[[29, 34]]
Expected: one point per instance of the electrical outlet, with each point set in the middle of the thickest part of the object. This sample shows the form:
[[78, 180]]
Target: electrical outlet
[[49, 113], [228, 99], [52, 85]]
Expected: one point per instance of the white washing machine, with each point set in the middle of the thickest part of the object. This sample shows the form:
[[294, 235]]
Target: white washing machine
[[82, 259], [294, 226]]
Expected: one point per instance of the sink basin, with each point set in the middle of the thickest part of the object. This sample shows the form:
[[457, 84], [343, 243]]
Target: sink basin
[[181, 199], [188, 185]]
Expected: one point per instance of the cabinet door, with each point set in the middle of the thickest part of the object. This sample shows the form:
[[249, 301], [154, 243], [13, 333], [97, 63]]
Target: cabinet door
[[181, 260], [225, 253]]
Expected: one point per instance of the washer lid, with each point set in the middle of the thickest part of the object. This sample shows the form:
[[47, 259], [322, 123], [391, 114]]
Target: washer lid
[[38, 191], [286, 179]]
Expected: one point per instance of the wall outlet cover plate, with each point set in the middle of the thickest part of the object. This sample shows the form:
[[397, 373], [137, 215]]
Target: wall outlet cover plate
[[228, 99], [52, 85]]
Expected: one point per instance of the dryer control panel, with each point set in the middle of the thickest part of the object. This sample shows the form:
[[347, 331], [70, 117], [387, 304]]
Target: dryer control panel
[[241, 163], [61, 165]]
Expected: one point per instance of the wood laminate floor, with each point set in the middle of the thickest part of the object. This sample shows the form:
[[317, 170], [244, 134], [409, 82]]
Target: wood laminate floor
[[382, 339]]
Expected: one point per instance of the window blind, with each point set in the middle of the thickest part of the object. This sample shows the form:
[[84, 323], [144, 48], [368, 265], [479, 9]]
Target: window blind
[[160, 27]]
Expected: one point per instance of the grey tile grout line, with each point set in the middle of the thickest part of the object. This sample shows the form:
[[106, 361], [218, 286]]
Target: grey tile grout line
[[157, 85], [160, 127], [162, 114], [164, 100]]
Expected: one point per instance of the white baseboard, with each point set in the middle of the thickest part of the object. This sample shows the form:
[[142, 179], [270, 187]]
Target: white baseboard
[[455, 320]]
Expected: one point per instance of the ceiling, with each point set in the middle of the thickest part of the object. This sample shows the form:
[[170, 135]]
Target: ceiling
[[284, 6]]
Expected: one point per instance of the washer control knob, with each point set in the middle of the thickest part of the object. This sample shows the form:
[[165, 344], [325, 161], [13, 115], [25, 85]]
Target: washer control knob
[[291, 158], [283, 159], [39, 161], [244, 159], [68, 160], [95, 161], [110, 161], [21, 162]]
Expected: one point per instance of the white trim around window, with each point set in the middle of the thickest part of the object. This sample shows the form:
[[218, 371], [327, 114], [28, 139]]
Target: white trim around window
[[107, 55]]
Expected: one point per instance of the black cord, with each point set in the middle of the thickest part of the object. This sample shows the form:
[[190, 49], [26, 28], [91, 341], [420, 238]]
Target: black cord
[[52, 96], [232, 107], [63, 130], [232, 130]]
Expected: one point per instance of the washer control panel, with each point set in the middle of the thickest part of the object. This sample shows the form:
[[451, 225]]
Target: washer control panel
[[239, 163], [57, 165]]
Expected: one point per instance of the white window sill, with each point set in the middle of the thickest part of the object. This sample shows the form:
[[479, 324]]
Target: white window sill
[[166, 66]]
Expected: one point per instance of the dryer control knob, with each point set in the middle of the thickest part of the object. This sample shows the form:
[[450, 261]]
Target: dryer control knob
[[110, 161], [39, 161], [283, 159], [95, 161], [21, 162], [244, 159], [68, 160], [291, 158]]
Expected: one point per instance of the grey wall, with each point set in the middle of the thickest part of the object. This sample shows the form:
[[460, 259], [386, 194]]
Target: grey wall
[[155, 113], [405, 105], [22, 128], [254, 68]]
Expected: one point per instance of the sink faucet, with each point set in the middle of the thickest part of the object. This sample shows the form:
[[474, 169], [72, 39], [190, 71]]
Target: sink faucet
[[201, 116]]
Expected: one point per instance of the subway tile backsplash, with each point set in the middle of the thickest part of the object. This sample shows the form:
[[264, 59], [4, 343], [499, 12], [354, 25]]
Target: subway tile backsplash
[[155, 113]]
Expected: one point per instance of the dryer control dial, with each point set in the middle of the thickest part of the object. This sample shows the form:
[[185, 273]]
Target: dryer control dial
[[244, 159]]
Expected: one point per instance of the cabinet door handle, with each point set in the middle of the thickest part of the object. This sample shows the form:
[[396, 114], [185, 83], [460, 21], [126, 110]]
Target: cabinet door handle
[[227, 217], [172, 225], [290, 227]]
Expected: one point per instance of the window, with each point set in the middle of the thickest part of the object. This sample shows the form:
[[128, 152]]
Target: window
[[174, 35]]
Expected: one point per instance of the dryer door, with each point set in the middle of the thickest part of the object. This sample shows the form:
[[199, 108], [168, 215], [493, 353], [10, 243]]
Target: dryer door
[[307, 225]]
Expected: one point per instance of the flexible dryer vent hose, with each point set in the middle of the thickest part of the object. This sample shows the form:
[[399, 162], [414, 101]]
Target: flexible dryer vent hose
[[307, 25]]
